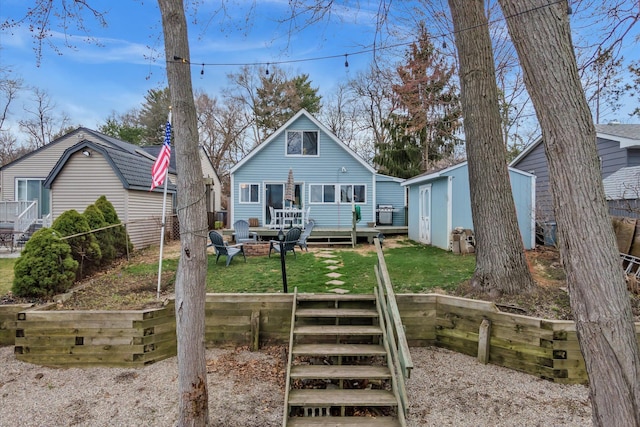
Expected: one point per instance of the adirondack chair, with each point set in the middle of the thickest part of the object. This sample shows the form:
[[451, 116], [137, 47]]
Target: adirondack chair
[[242, 233], [222, 248], [289, 244], [302, 241]]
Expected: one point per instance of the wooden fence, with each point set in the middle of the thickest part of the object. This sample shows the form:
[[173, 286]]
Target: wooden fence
[[545, 348]]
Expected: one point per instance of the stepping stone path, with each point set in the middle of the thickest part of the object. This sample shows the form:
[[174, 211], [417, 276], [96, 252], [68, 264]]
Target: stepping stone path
[[331, 265]]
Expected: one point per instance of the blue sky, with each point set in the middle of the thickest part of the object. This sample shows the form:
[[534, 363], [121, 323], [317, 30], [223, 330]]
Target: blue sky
[[91, 81]]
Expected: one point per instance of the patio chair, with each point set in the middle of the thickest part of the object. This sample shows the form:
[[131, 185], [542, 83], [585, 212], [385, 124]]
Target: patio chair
[[242, 233], [302, 241], [289, 244], [222, 248], [274, 221]]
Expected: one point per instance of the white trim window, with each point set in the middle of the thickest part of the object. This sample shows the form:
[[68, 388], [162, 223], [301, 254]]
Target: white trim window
[[29, 189], [249, 193], [302, 143], [322, 193], [357, 193]]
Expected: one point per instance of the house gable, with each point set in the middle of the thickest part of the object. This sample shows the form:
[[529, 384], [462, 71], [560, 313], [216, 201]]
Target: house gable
[[335, 166]]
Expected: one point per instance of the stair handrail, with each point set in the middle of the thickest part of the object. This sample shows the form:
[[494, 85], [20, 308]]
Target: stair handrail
[[27, 217], [397, 378], [287, 386], [391, 306]]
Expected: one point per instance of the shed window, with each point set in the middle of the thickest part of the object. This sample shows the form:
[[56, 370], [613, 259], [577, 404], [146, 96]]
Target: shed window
[[249, 193], [302, 143]]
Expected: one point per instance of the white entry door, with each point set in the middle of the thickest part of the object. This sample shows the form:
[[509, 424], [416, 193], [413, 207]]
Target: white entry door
[[425, 214]]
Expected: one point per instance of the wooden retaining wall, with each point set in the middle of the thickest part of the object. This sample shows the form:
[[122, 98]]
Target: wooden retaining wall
[[8, 316], [130, 338], [545, 348]]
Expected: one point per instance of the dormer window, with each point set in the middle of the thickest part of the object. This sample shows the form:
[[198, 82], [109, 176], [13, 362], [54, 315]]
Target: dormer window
[[302, 143]]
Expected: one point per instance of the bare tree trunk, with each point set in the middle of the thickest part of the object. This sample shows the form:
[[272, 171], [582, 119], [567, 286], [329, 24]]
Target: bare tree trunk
[[599, 298], [501, 266], [192, 269]]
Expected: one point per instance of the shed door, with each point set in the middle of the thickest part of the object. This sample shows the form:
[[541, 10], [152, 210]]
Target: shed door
[[425, 215]]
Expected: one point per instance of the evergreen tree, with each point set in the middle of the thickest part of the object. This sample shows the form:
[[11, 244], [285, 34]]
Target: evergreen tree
[[279, 98], [430, 100], [402, 155]]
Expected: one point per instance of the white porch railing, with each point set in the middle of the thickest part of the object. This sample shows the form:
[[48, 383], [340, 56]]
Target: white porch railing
[[10, 210], [27, 217]]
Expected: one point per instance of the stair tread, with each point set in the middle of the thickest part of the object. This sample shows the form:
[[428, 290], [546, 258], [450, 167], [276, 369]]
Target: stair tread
[[333, 397], [336, 312], [338, 330], [343, 422], [335, 297], [339, 349], [340, 371]]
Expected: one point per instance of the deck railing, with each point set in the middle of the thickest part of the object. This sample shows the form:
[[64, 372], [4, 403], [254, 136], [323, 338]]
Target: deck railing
[[27, 217], [10, 210], [398, 347]]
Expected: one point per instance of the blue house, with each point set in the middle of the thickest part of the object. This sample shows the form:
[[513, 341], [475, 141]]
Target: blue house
[[328, 177], [439, 202]]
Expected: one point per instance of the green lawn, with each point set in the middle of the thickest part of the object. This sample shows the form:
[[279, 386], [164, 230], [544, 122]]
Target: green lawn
[[413, 269], [6, 274]]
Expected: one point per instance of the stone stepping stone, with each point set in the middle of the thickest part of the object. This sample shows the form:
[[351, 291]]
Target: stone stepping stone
[[335, 282], [338, 291], [331, 261], [326, 255], [333, 275], [332, 267]]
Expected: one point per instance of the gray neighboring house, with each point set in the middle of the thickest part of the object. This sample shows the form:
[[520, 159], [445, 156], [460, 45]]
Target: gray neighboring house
[[74, 170], [619, 150]]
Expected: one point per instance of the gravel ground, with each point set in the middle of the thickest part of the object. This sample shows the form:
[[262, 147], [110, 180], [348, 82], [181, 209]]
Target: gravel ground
[[245, 389]]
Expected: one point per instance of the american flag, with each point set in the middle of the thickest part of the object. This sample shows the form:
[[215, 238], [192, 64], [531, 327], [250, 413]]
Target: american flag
[[160, 167]]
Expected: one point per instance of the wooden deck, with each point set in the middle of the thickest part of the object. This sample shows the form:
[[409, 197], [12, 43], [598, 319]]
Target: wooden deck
[[328, 235]]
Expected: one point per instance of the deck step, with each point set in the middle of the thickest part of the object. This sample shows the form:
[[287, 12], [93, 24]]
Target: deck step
[[336, 312], [331, 397], [343, 422], [338, 330], [334, 372], [336, 297], [338, 350]]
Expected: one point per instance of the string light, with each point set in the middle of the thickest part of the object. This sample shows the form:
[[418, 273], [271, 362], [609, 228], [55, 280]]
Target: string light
[[370, 50]]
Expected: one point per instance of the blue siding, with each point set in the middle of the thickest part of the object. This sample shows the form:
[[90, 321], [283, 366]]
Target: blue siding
[[523, 186], [439, 213], [333, 165], [389, 192]]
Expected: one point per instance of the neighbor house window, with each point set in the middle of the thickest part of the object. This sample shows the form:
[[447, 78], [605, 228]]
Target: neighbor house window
[[357, 193], [302, 143], [249, 193], [325, 193], [30, 189]]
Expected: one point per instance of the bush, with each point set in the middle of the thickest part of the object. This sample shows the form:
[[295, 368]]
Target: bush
[[84, 245], [45, 267], [121, 241], [105, 238]]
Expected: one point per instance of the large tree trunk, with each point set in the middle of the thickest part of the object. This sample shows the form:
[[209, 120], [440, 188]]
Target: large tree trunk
[[501, 266], [192, 269], [599, 298]]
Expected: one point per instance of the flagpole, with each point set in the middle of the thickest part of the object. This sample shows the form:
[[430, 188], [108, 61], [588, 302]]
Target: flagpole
[[164, 161], [162, 228]]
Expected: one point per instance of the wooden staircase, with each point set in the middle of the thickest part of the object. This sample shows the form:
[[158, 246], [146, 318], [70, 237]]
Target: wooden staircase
[[339, 371]]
